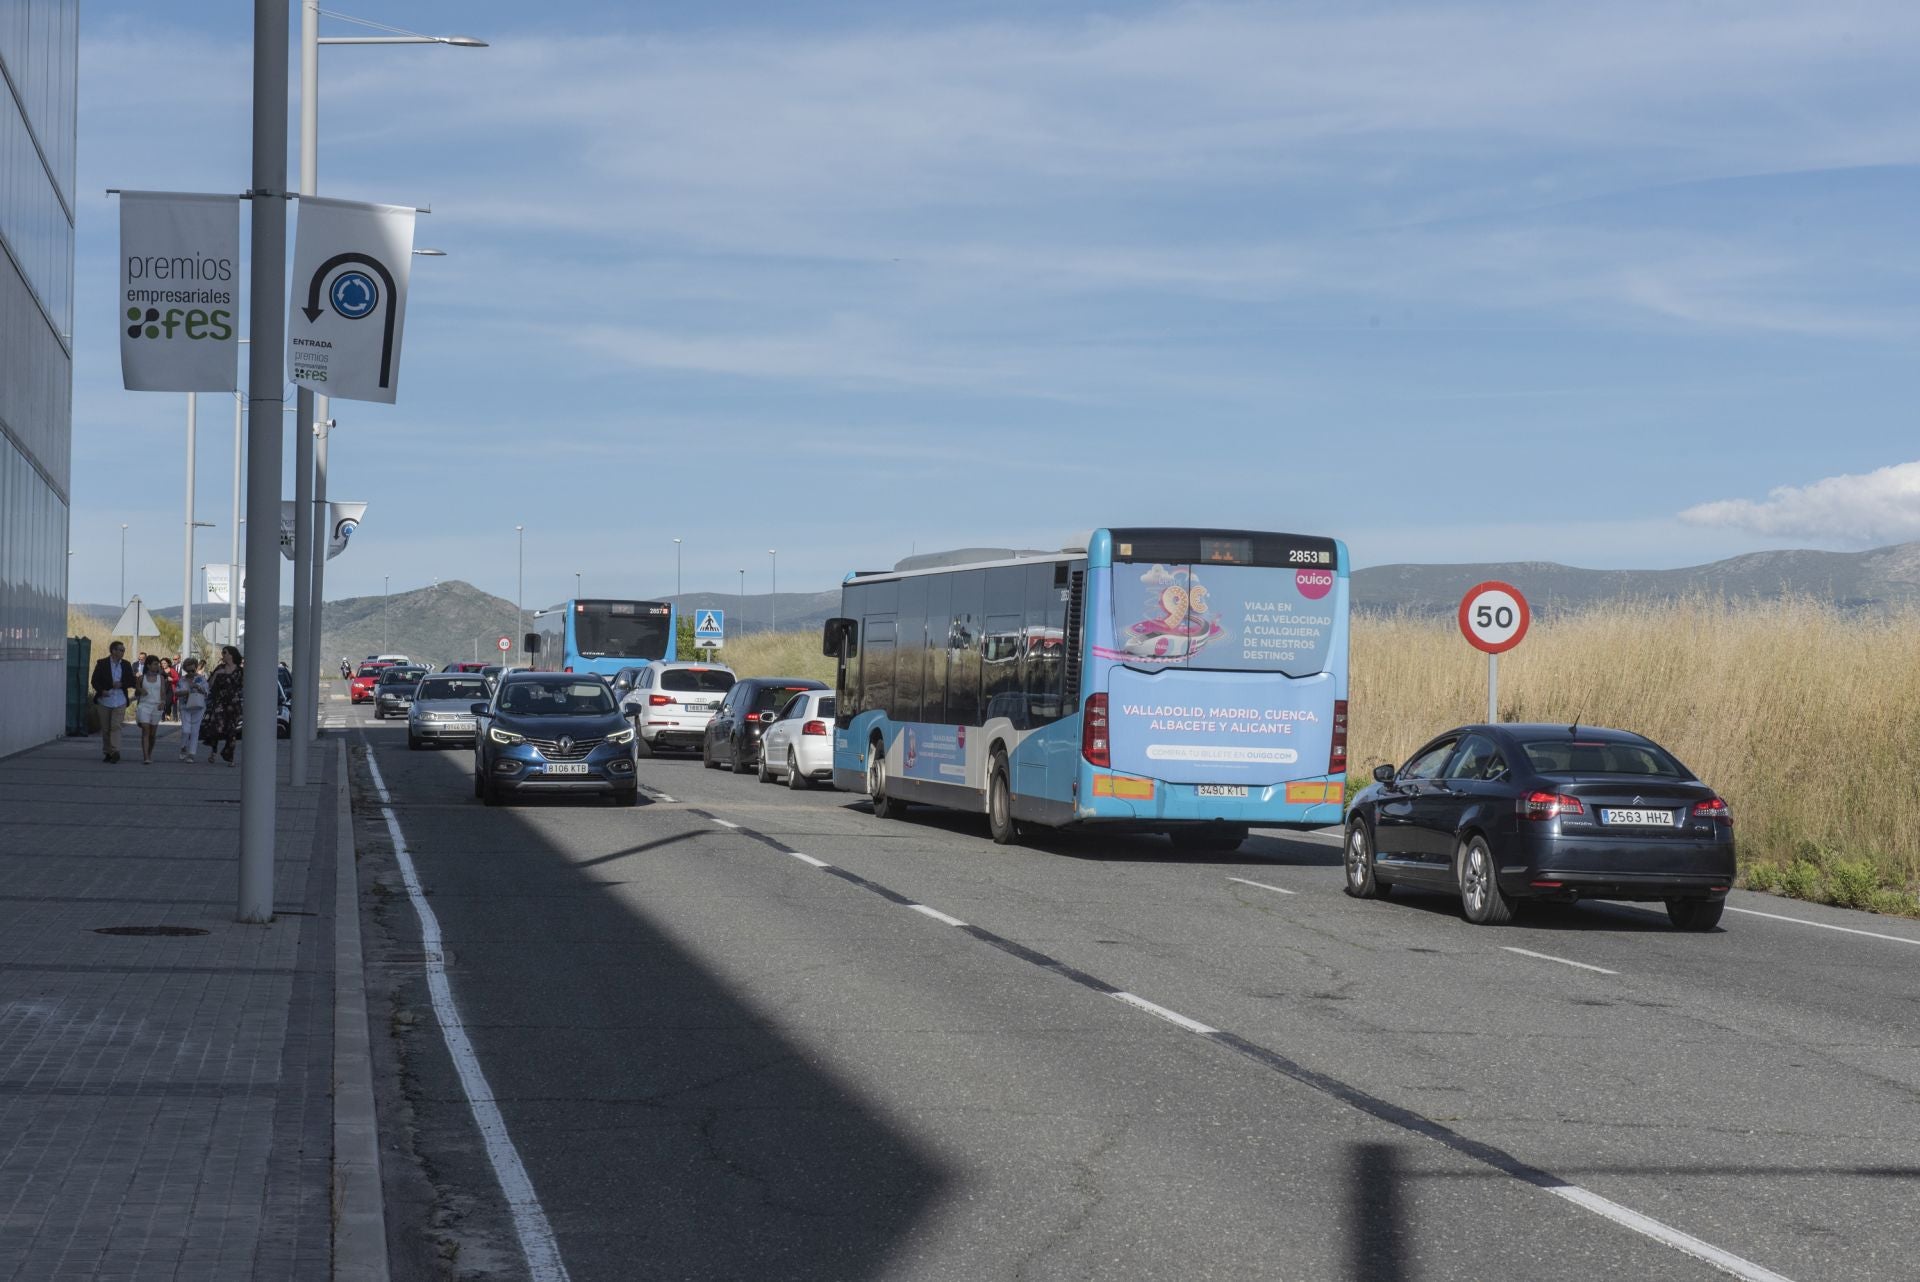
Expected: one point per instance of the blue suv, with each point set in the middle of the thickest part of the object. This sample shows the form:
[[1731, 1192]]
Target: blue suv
[[552, 732]]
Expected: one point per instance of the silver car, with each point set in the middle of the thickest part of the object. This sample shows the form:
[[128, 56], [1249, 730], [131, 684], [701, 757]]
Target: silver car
[[443, 708]]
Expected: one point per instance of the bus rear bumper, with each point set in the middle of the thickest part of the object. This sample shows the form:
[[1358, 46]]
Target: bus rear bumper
[[1301, 803]]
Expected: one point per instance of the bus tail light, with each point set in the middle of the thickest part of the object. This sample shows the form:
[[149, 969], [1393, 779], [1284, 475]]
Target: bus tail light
[[1093, 732], [659, 700], [1548, 805], [814, 727], [1337, 757]]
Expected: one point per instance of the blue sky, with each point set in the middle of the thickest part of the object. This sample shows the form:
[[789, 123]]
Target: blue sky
[[1618, 285]]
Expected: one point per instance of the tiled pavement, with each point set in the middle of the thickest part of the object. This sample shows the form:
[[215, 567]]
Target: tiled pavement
[[164, 1106]]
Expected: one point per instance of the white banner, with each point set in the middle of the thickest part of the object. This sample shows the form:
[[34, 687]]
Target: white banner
[[217, 583], [351, 263], [342, 520], [179, 282]]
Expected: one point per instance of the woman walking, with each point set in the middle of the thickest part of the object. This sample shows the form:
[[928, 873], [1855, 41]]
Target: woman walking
[[153, 704], [222, 724], [190, 697]]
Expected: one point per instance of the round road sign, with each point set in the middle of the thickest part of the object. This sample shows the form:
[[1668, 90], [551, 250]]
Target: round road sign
[[505, 645], [1494, 616]]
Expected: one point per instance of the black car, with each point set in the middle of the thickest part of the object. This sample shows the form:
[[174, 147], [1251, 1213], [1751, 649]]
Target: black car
[[1506, 813], [753, 704], [393, 693]]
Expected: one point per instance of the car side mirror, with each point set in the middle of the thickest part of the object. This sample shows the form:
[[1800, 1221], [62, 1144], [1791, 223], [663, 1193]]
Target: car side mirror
[[478, 709], [1383, 774], [840, 638]]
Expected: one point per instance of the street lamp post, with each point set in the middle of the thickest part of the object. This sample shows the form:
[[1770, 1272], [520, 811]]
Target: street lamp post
[[520, 596], [773, 598], [576, 584], [743, 598], [186, 569], [386, 639], [676, 569], [123, 565]]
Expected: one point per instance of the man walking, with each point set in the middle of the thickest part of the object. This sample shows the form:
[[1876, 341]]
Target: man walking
[[113, 680]]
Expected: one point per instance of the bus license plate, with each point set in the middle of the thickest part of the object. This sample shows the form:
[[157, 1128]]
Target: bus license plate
[[1638, 818], [567, 768], [1220, 790]]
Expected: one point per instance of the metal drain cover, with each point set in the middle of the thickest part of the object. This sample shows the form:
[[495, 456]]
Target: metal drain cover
[[148, 930]]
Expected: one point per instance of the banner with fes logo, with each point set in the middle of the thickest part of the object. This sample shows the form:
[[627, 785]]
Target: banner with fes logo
[[342, 520], [179, 291], [351, 263]]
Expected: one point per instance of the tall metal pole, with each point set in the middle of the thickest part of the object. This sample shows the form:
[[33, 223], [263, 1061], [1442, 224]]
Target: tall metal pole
[[773, 600], [1493, 689], [123, 565], [233, 567], [322, 540], [386, 637], [186, 569], [267, 326], [743, 598], [305, 675], [520, 596], [676, 568]]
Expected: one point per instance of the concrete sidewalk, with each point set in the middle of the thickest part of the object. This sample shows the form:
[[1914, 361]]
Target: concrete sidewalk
[[165, 1095]]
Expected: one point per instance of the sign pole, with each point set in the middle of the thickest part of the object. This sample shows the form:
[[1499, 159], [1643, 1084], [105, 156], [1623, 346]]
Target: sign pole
[[265, 409], [1493, 689]]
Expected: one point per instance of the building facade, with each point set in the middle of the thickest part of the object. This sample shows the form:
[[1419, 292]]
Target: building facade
[[39, 75]]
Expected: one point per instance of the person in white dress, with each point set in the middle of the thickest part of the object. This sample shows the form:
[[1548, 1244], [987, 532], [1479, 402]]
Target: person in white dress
[[190, 697], [153, 702]]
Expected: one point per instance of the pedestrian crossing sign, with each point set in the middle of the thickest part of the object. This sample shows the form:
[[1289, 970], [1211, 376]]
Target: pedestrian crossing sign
[[709, 625]]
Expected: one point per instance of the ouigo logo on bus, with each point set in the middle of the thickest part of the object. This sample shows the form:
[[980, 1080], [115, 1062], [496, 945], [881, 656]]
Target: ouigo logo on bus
[[1313, 584]]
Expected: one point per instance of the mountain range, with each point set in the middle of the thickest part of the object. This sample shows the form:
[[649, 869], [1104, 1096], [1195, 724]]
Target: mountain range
[[454, 620]]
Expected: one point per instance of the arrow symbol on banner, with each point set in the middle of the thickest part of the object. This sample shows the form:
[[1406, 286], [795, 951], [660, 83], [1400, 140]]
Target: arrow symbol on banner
[[313, 308]]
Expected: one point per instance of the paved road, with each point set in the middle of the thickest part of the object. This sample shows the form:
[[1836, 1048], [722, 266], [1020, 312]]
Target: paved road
[[717, 1060]]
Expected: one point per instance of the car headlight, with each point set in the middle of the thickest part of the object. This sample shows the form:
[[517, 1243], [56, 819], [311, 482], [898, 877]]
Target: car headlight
[[498, 735], [621, 736]]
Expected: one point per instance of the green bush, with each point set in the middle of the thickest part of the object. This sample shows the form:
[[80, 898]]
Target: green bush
[[1763, 877], [1801, 880], [1851, 883]]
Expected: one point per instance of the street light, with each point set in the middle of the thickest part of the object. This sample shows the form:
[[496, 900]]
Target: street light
[[743, 598], [576, 584], [520, 596], [676, 570], [386, 641], [311, 527], [123, 565], [773, 598]]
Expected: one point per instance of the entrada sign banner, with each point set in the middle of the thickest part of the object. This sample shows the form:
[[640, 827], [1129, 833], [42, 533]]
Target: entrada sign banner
[[351, 264], [179, 291], [342, 520]]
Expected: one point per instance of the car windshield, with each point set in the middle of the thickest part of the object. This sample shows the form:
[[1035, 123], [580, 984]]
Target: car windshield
[[702, 680], [1575, 757], [556, 699], [467, 690], [773, 698]]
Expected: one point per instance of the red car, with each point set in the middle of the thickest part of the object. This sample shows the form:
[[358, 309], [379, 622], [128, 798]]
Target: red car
[[364, 680]]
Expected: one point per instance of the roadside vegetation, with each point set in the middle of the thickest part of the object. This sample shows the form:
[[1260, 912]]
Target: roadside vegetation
[[1806, 719], [99, 631]]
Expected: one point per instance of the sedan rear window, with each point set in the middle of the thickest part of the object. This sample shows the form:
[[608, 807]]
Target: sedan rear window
[[699, 680], [471, 691], [1572, 757], [774, 698]]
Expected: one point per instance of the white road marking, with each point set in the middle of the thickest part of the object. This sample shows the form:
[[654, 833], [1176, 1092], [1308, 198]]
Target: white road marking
[[1171, 1016], [808, 859], [1528, 952], [1278, 890], [1686, 1243], [1821, 925], [937, 915], [530, 1224], [724, 824]]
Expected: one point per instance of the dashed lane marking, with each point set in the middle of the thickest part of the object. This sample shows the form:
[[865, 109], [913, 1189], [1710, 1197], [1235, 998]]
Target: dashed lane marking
[[1528, 952], [1261, 885]]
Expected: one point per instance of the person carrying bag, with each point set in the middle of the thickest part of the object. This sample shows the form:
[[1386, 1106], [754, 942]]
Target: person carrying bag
[[190, 692]]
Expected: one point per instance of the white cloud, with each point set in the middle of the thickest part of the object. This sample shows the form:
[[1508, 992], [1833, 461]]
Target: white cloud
[[1872, 508]]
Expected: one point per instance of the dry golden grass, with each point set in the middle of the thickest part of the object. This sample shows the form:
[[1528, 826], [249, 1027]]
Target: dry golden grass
[[1804, 718], [1807, 720]]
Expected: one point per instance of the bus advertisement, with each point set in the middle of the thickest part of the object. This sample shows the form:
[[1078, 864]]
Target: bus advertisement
[[601, 636], [1184, 681]]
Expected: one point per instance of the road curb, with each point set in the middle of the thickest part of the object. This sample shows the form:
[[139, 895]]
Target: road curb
[[359, 1212]]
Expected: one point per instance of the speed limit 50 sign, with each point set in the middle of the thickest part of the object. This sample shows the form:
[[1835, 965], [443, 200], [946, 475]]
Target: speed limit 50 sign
[[1494, 616]]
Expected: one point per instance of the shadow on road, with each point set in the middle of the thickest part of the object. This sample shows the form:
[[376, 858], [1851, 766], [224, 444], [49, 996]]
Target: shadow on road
[[1377, 1247], [668, 1129]]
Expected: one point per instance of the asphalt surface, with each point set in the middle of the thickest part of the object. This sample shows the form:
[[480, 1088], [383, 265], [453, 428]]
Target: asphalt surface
[[716, 1060]]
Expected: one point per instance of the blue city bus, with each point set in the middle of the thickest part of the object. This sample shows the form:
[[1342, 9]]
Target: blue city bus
[[601, 636], [1183, 681]]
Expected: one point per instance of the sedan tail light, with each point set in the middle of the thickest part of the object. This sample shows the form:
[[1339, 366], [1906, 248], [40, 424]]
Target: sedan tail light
[[1549, 805], [814, 727], [1093, 732], [1713, 808], [659, 700]]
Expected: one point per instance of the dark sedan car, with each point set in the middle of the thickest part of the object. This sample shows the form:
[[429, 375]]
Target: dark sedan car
[[393, 693], [1501, 814], [552, 732], [751, 706]]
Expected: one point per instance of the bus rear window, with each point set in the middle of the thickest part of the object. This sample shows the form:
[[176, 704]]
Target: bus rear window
[[1571, 757], [698, 680]]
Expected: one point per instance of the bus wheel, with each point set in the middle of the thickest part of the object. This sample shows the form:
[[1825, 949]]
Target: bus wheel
[[1000, 822], [884, 807]]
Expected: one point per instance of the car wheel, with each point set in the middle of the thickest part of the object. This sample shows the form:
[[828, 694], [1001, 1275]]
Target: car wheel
[[626, 796], [489, 793], [641, 748], [884, 806], [1482, 899], [1000, 821], [1363, 881], [706, 754], [413, 742], [479, 784], [740, 766], [1207, 839], [796, 781], [1695, 914], [764, 773]]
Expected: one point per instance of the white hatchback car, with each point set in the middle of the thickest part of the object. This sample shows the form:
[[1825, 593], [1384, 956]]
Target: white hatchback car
[[671, 703], [798, 746]]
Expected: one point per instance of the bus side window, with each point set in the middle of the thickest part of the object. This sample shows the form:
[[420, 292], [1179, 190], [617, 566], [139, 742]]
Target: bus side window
[[963, 647], [933, 694], [876, 665]]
